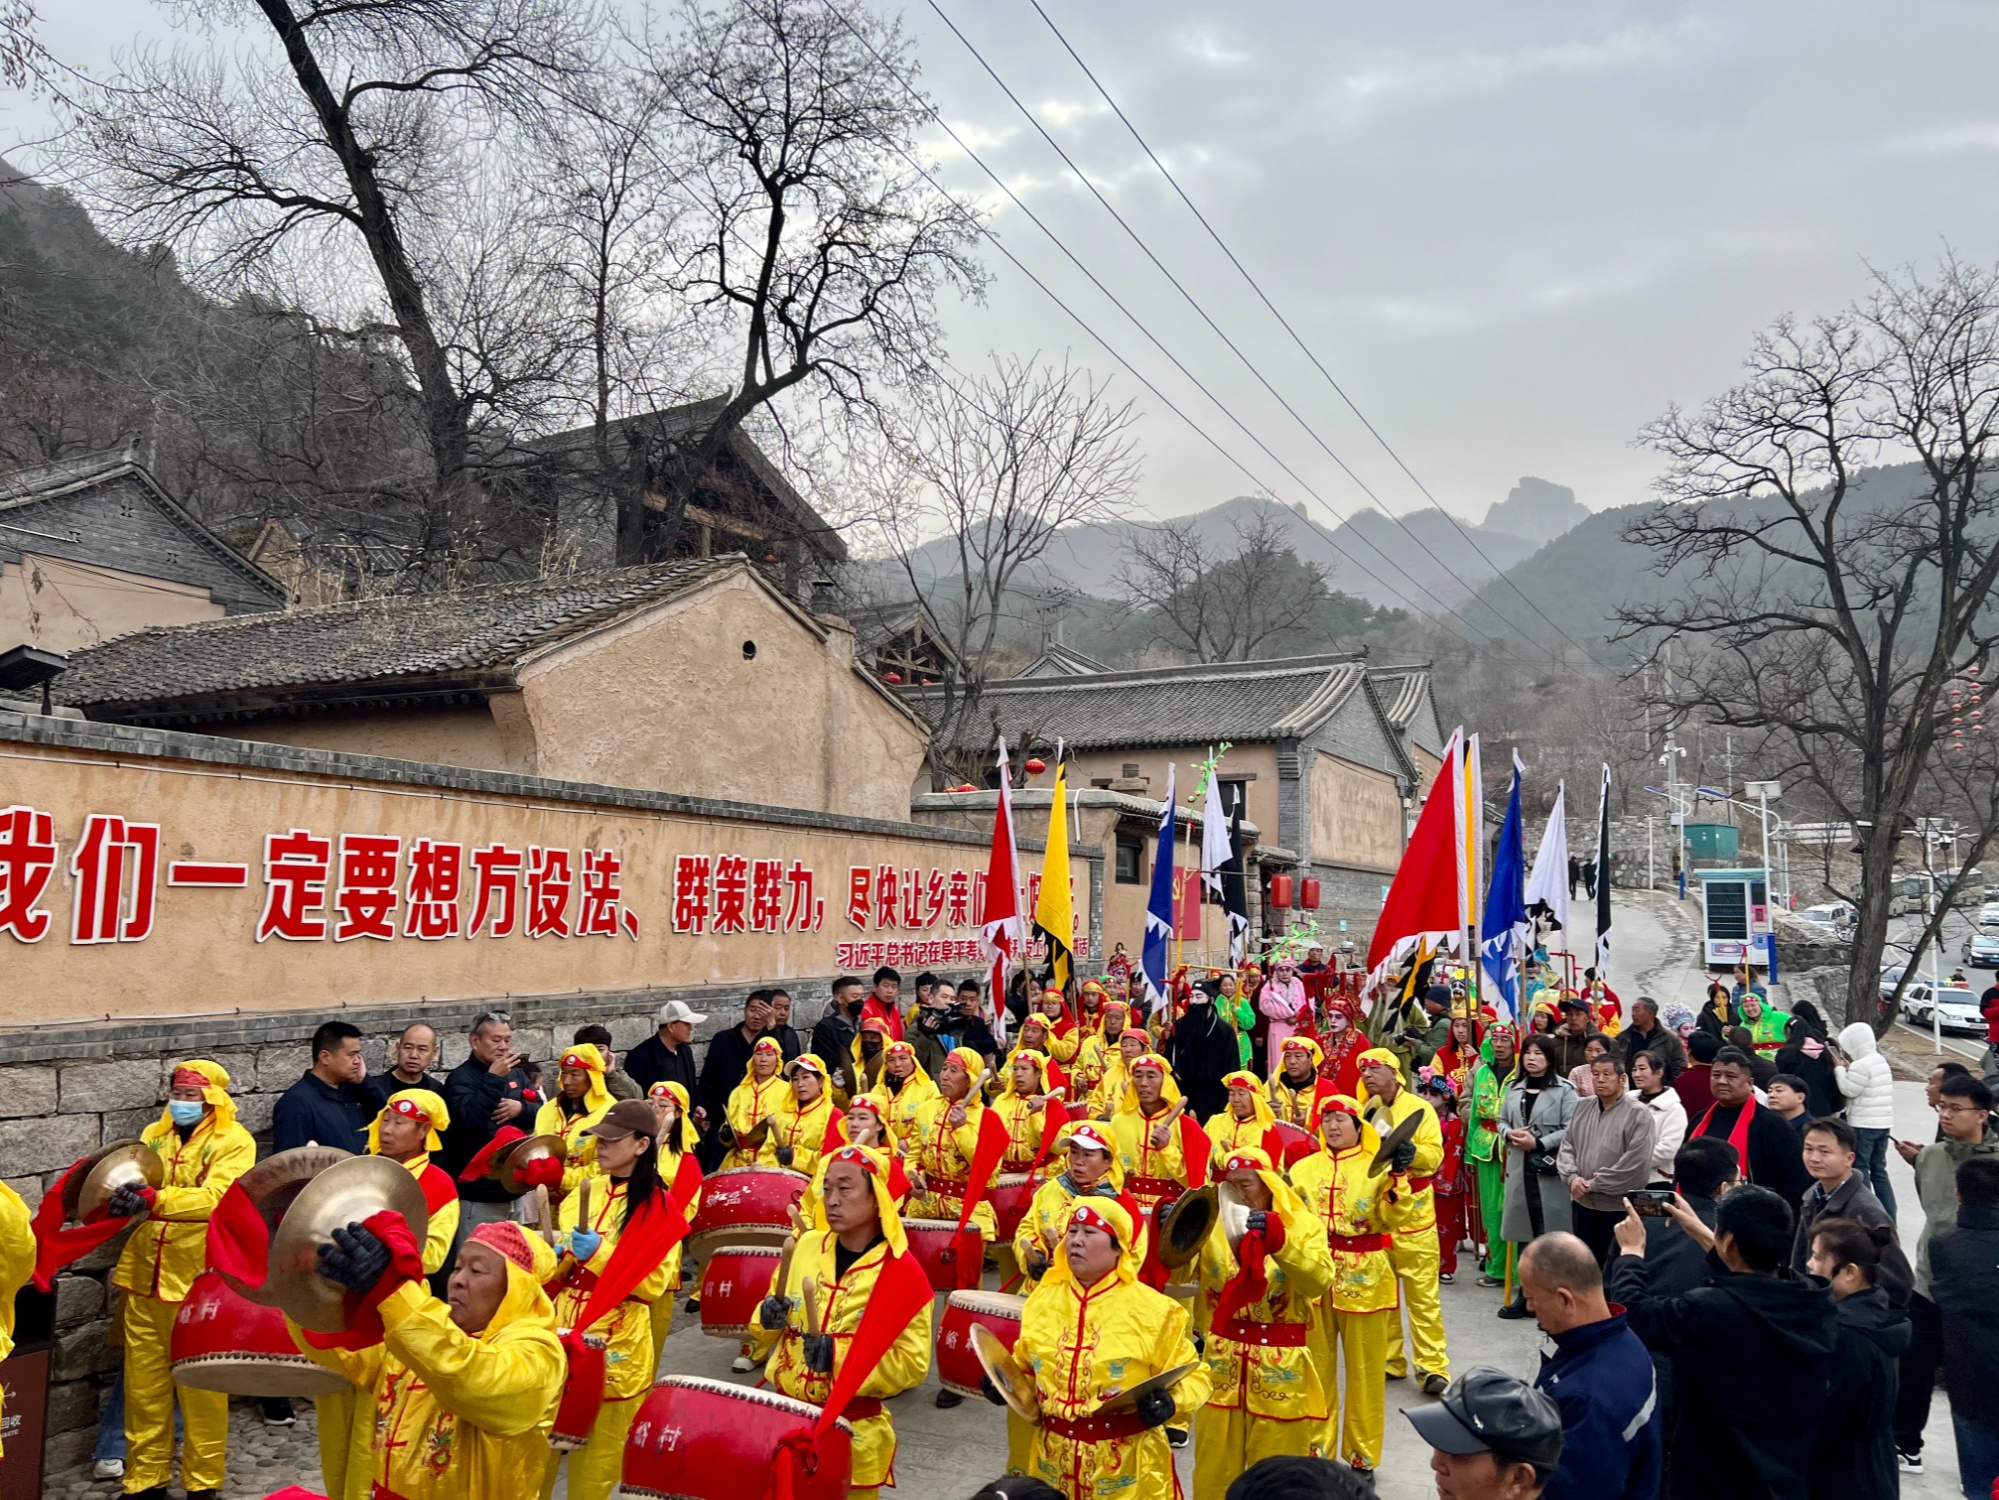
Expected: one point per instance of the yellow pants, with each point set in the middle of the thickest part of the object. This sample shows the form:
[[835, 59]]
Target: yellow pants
[[1228, 1439], [1356, 1342], [1416, 1254], [342, 1478], [1019, 1443], [662, 1323], [149, 1407], [595, 1467]]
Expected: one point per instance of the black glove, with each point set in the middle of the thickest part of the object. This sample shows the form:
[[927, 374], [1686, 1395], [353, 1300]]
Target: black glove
[[1403, 1157], [1200, 1344], [784, 1154], [355, 1259], [127, 1202], [726, 1136], [819, 1353], [1155, 1407], [773, 1311], [1257, 1222], [1037, 1264], [990, 1391]]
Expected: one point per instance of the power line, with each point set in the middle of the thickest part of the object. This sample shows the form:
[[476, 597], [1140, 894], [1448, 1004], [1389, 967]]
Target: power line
[[1173, 359], [1263, 297]]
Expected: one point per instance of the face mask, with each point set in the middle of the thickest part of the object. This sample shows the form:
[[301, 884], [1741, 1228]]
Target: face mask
[[185, 1111]]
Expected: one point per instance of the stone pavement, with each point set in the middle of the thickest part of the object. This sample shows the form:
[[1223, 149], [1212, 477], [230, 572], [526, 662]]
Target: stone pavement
[[944, 1455]]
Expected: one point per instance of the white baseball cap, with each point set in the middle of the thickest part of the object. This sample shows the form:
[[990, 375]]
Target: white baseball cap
[[675, 1010]]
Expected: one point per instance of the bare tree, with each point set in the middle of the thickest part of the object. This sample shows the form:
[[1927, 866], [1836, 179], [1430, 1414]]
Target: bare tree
[[361, 157], [1216, 605], [1834, 605], [977, 485], [811, 244]]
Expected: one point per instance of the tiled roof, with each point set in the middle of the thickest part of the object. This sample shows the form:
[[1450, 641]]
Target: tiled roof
[[1243, 702], [411, 639], [1401, 690], [1057, 660]]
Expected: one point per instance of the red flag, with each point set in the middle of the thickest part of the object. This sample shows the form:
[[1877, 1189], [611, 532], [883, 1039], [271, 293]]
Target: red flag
[[1196, 1149], [1001, 936], [1422, 904]]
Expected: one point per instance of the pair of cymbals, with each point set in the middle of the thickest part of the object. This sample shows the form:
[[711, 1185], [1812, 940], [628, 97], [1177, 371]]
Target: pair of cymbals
[[1184, 1227], [505, 1167], [1016, 1385], [118, 1164], [302, 1196], [1400, 1136]]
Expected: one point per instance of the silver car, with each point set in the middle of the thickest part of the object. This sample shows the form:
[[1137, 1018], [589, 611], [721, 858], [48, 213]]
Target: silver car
[[1981, 947]]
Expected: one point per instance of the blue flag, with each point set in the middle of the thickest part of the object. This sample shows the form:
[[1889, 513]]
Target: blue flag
[[1159, 909], [1503, 928]]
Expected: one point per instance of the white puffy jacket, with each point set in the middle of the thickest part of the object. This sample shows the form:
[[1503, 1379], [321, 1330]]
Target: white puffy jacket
[[1866, 1081]]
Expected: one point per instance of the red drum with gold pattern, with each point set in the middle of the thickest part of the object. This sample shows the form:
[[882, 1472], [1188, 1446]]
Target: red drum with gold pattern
[[735, 1280], [222, 1341], [1012, 1195], [696, 1439], [934, 1243], [958, 1367], [745, 1206]]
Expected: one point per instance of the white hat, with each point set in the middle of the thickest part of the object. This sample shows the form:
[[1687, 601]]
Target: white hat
[[675, 1010]]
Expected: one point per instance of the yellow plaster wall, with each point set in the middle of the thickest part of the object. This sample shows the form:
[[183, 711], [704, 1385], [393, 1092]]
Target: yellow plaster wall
[[1356, 815], [458, 735], [1257, 760], [64, 606]]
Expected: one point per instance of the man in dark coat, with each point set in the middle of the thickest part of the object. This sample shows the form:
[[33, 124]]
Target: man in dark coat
[[1752, 1352], [1839, 1192], [668, 1056], [833, 1034], [1203, 1051], [489, 1089], [1964, 1283], [727, 1060], [1645, 1034], [1774, 1156]]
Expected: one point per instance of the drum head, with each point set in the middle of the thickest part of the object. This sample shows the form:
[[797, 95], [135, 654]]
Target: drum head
[[258, 1375]]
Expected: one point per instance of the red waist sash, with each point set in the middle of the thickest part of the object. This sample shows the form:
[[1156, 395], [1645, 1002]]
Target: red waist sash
[[1095, 1429], [1264, 1335], [1358, 1242]]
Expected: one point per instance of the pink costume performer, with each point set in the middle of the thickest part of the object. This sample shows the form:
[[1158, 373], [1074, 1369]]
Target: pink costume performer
[[1284, 1003]]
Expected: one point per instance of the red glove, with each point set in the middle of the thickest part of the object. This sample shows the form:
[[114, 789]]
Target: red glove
[[544, 1172]]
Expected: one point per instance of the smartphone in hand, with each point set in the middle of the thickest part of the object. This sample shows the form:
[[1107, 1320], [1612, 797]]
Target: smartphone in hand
[[1650, 1203]]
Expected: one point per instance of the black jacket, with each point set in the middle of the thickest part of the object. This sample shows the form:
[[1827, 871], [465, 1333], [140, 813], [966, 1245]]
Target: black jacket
[[472, 1093], [1852, 1199], [313, 1112], [652, 1061], [1821, 1083], [1753, 1361], [1660, 1042], [728, 1059], [1964, 1283], [1776, 1154], [1856, 1453], [833, 1041]]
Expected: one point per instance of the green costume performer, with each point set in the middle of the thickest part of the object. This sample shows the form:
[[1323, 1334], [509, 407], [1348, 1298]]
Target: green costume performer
[[1482, 1148]]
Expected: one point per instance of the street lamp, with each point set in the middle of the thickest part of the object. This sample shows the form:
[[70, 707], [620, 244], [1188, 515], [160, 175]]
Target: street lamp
[[1766, 792]]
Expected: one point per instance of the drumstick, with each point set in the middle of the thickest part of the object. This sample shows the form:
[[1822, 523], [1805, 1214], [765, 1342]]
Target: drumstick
[[1166, 1120], [583, 1205], [783, 1277], [811, 1290]]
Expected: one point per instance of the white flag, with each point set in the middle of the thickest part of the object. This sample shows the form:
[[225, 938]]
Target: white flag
[[1548, 881]]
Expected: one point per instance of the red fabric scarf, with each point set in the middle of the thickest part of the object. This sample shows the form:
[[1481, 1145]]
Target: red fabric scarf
[[1054, 1120], [505, 1136], [55, 1246], [1251, 1283], [364, 1321], [1738, 1137]]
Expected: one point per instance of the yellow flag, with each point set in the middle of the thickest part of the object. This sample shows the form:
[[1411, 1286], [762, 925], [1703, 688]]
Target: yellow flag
[[1053, 913]]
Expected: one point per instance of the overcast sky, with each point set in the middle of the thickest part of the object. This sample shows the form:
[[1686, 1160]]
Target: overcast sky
[[1513, 232]]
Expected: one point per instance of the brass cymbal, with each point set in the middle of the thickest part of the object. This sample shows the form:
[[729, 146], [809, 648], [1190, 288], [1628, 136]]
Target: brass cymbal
[[121, 1164], [1012, 1382], [510, 1159], [1184, 1227], [1401, 1135], [1234, 1214], [273, 1185], [352, 1190], [1165, 1380]]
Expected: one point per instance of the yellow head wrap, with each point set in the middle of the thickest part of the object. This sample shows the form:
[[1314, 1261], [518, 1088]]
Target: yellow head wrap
[[414, 1102], [688, 1139], [970, 1061], [874, 1164], [583, 1055], [1302, 1044], [1284, 1199], [214, 1092], [1344, 1104], [1378, 1055], [765, 1045], [1040, 1060], [1169, 1091], [1107, 1214], [903, 1049], [530, 1262], [1242, 1079]]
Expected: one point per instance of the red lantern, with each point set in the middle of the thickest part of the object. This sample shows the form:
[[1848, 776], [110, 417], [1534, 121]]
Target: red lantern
[[1280, 891], [1308, 893], [892, 677], [1035, 765]]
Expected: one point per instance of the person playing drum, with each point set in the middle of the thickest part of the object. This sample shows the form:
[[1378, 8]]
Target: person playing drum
[[1132, 1044], [1092, 1172], [908, 1089], [835, 1269], [1257, 1294], [1297, 1081], [627, 1154], [1065, 1039], [802, 1126], [1023, 1105], [1152, 1136], [459, 1390], [1098, 1055], [946, 1140], [581, 1098], [1089, 1332], [753, 1103], [1244, 1122]]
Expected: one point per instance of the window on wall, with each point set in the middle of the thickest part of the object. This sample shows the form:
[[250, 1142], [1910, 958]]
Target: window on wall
[[1130, 860], [1235, 794]]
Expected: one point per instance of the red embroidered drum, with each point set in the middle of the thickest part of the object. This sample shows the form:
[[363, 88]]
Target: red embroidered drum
[[1012, 1194], [222, 1341], [1294, 1145], [932, 1242], [957, 1366], [1079, 1112], [696, 1439], [745, 1206], [735, 1280]]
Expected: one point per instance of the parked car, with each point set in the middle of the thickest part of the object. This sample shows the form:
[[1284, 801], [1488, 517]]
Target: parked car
[[1956, 1009], [1981, 947], [1987, 914], [1836, 917]]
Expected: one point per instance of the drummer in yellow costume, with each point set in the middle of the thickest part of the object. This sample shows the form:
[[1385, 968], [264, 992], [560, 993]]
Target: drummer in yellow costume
[[754, 1101], [1150, 1150], [1132, 1044], [1415, 1250], [1296, 1082], [17, 1260], [1257, 1296], [1063, 1045], [800, 1123], [1090, 1331], [1097, 1052], [677, 1141], [628, 1156], [581, 1098], [407, 1130], [1023, 1105], [1246, 1120], [843, 1255], [908, 1088], [202, 1150], [946, 1139], [1359, 1212], [1092, 1171], [462, 1390]]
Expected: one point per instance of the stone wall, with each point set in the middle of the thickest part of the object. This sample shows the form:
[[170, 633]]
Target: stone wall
[[62, 1096]]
